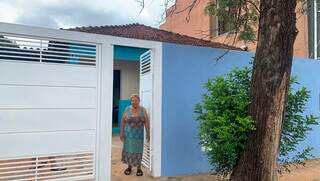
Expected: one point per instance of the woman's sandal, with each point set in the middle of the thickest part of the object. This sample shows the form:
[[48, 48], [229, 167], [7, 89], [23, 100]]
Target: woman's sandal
[[139, 172], [128, 171]]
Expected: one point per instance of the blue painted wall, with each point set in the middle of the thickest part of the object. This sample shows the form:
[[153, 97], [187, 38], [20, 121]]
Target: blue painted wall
[[127, 53], [185, 70]]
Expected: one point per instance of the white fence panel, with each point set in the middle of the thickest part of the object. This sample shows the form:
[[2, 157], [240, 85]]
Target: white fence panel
[[46, 143], [26, 73], [49, 108], [46, 97], [41, 120]]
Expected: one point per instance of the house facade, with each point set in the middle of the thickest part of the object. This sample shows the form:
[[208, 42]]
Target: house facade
[[198, 23], [59, 91], [56, 103], [126, 59]]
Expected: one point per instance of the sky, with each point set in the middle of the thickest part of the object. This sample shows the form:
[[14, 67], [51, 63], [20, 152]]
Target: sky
[[72, 13]]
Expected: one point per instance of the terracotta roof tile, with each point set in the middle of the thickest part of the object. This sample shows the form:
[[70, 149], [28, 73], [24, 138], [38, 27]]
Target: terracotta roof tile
[[139, 31]]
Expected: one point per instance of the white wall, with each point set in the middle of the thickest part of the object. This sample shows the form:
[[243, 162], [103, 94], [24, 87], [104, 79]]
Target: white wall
[[129, 82]]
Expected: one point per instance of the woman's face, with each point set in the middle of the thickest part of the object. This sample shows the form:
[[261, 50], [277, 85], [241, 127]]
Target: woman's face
[[135, 102]]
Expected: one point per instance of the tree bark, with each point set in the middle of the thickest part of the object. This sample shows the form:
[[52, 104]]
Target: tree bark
[[270, 82]]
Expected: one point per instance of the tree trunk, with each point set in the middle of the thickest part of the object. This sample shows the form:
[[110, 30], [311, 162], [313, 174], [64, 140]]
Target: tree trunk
[[270, 82]]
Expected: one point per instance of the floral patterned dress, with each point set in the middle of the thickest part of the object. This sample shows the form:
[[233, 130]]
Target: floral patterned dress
[[133, 138]]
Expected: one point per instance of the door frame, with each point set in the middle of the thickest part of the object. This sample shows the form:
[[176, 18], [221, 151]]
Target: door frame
[[156, 48]]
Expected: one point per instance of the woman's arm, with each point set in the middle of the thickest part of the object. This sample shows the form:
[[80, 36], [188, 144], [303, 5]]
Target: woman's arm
[[147, 124]]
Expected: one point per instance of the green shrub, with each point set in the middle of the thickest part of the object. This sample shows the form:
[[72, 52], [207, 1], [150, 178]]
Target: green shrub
[[295, 128], [224, 122]]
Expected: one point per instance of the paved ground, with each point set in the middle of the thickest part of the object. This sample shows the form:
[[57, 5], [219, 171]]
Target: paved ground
[[118, 168], [311, 172]]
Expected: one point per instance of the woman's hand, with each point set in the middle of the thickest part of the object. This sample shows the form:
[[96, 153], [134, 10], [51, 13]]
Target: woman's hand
[[121, 136]]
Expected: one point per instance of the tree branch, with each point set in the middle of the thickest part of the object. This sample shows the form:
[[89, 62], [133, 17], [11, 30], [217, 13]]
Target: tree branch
[[253, 4]]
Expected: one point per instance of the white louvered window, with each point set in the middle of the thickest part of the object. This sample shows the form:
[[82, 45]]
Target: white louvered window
[[48, 167], [145, 64], [46, 50]]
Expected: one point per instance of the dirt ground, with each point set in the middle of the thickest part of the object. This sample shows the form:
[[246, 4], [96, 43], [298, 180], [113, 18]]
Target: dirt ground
[[311, 172]]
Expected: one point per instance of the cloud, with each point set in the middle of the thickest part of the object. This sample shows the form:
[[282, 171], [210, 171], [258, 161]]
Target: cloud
[[69, 16], [38, 21], [71, 13]]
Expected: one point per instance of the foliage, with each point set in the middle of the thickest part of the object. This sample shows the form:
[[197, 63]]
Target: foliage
[[244, 16], [295, 128], [224, 122]]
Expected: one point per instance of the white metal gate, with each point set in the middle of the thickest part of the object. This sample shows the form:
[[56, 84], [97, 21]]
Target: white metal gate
[[49, 107], [146, 95]]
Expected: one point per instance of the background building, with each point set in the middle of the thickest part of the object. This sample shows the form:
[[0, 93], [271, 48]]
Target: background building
[[201, 25]]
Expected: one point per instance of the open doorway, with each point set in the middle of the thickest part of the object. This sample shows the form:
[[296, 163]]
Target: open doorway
[[129, 79]]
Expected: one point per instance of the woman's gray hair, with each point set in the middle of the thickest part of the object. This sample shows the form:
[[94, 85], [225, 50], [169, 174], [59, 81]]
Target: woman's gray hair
[[135, 95]]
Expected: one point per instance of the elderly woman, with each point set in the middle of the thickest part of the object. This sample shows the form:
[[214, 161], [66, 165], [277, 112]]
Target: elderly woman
[[132, 134]]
